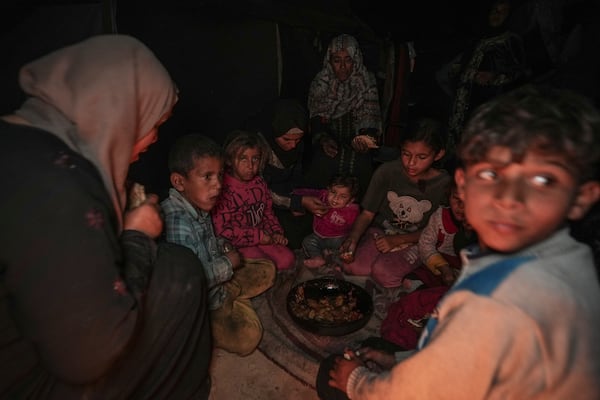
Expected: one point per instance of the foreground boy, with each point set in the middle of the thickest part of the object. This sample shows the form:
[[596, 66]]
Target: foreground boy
[[196, 166], [522, 320]]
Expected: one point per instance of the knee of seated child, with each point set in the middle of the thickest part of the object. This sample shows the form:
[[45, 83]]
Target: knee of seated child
[[239, 331], [286, 258]]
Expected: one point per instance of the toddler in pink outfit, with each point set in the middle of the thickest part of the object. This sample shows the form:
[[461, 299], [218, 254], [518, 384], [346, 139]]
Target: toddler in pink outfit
[[331, 228]]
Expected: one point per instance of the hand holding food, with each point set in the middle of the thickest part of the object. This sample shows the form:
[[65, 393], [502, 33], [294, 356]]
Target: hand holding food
[[363, 143], [347, 250], [347, 256], [145, 218], [137, 195]]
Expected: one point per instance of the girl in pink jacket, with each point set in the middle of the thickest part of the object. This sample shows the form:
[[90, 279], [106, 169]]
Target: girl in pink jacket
[[244, 211]]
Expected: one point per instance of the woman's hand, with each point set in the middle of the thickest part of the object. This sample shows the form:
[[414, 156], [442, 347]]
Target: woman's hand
[[145, 218], [330, 147], [365, 140], [314, 205], [341, 371], [359, 146]]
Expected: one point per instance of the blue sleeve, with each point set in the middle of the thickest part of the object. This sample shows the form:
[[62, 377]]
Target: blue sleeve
[[202, 241]]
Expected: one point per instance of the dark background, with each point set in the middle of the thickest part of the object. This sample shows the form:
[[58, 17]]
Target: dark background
[[230, 58]]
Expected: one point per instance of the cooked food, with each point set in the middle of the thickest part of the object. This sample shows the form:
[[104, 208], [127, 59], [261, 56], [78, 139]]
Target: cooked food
[[330, 309], [347, 257], [137, 195]]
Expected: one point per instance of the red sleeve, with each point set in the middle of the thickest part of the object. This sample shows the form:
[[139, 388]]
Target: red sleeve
[[270, 222]]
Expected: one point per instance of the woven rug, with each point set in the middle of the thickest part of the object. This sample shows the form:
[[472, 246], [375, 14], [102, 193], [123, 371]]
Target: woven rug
[[292, 348]]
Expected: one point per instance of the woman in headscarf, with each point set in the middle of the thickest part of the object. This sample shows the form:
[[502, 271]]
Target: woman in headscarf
[[343, 103], [283, 124], [90, 305]]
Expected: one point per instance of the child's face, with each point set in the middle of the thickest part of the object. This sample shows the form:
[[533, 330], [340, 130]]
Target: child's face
[[512, 205], [417, 158], [202, 185], [246, 163], [339, 196], [457, 206]]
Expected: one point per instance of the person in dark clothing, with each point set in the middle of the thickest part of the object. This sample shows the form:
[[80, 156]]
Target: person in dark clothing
[[91, 305], [283, 124], [492, 64]]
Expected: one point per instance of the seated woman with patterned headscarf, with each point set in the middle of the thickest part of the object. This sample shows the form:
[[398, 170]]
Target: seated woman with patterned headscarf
[[345, 115]]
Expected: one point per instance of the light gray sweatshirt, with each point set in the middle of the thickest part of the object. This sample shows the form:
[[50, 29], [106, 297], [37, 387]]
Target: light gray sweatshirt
[[536, 336]]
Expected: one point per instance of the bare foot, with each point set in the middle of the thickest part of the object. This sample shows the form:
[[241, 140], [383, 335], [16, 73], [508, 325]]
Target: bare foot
[[314, 262]]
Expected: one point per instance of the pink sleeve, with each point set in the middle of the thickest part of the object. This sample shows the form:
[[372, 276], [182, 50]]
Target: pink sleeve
[[270, 222]]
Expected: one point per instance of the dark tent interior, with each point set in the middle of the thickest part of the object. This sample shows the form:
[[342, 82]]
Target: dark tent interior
[[230, 58]]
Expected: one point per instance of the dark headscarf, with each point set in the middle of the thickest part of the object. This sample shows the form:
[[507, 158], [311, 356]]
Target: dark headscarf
[[482, 27], [288, 114], [281, 116]]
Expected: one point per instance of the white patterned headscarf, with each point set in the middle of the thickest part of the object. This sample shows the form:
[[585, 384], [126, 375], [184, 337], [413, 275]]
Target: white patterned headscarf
[[100, 96], [331, 98]]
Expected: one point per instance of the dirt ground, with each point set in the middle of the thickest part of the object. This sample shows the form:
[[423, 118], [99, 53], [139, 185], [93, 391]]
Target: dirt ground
[[254, 377]]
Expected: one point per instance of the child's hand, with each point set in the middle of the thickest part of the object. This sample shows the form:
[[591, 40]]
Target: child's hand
[[348, 247], [447, 273], [347, 251], [145, 217], [383, 243], [265, 238], [383, 359], [341, 371], [235, 258], [278, 238]]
